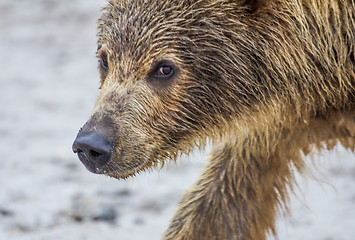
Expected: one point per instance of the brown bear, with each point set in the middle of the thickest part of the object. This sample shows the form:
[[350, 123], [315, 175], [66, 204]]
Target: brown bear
[[265, 81]]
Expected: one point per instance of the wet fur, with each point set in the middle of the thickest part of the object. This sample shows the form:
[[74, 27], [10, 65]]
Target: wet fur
[[265, 81]]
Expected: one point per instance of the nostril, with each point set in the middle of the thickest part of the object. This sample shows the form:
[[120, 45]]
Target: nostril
[[95, 154], [82, 156], [93, 150]]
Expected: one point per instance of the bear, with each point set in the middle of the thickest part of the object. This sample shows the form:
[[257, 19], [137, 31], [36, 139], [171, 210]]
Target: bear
[[266, 82]]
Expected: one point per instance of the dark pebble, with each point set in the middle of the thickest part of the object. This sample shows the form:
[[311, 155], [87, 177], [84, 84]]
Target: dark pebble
[[107, 214]]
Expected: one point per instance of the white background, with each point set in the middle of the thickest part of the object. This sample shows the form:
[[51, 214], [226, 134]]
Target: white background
[[48, 85]]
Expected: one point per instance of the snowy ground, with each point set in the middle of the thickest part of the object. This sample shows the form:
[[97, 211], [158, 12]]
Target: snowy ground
[[48, 85]]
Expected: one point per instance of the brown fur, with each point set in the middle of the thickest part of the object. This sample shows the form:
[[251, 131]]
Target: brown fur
[[265, 81]]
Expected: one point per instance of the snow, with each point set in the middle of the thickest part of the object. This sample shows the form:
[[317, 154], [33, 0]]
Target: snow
[[49, 82]]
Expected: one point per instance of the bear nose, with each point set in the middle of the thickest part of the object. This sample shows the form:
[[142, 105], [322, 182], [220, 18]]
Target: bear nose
[[93, 150]]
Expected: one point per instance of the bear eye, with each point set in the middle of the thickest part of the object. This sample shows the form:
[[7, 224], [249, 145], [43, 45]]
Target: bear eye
[[163, 74], [103, 66], [164, 71], [104, 61]]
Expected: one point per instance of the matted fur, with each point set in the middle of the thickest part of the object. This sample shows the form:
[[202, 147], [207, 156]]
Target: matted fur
[[265, 81]]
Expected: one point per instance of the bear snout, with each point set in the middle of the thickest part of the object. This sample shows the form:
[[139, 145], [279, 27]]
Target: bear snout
[[93, 150]]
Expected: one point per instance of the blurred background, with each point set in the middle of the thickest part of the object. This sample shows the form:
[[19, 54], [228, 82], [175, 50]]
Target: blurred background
[[48, 85]]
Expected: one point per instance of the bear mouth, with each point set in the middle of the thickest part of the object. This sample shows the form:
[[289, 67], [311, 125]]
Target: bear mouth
[[129, 172], [112, 171], [101, 156]]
